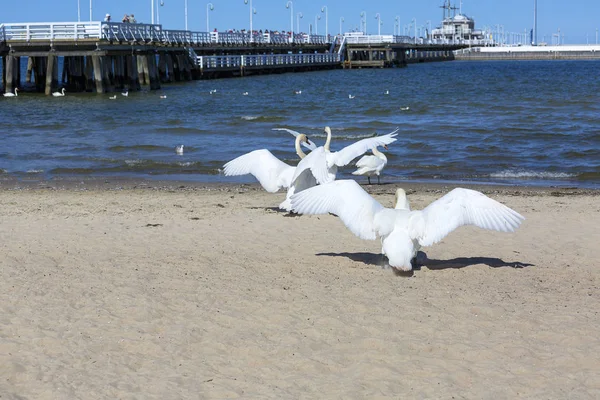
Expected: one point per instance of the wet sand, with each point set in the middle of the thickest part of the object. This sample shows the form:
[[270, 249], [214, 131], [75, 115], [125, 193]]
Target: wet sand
[[154, 290]]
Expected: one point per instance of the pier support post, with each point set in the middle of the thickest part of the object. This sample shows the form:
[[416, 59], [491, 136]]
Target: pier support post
[[98, 73], [30, 61], [11, 74], [132, 72], [162, 67], [142, 65], [51, 74], [152, 72], [107, 74], [89, 74]]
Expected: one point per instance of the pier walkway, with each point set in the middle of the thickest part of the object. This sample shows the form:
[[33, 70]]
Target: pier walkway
[[107, 56]]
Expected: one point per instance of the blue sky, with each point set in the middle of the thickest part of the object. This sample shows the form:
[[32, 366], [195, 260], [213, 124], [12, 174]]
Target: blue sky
[[576, 19]]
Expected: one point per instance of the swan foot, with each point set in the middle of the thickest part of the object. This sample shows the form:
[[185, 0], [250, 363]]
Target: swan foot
[[369, 179]]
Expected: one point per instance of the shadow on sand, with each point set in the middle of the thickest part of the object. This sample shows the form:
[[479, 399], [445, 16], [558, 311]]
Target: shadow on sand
[[432, 264]]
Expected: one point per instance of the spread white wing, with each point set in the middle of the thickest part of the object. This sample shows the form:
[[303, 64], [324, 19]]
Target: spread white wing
[[465, 207], [349, 153], [271, 172], [316, 162], [310, 145], [344, 198]]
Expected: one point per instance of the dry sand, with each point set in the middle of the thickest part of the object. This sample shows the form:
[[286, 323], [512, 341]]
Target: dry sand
[[139, 292]]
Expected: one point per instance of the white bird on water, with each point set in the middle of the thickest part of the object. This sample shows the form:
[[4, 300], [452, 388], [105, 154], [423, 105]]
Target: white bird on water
[[386, 92], [298, 92], [9, 94], [371, 165], [351, 96], [59, 94], [403, 232], [179, 150], [245, 94], [163, 96], [113, 97], [213, 91], [125, 93]]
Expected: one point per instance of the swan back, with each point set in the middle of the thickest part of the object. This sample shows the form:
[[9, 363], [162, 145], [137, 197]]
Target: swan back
[[400, 200]]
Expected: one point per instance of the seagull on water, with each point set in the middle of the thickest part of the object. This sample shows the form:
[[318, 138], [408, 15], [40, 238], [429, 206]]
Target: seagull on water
[[113, 97], [351, 96], [387, 92], [245, 93], [213, 91], [179, 150], [298, 92], [163, 96], [125, 93]]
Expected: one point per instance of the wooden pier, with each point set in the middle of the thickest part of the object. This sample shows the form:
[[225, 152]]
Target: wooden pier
[[106, 57]]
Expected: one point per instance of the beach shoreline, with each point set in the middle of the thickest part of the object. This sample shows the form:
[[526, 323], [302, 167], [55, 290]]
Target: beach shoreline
[[127, 288]]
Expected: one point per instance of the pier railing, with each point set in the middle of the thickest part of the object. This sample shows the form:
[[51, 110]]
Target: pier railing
[[259, 60], [144, 33], [2, 34]]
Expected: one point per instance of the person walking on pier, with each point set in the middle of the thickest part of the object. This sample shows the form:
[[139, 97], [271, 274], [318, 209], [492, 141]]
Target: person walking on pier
[[125, 19]]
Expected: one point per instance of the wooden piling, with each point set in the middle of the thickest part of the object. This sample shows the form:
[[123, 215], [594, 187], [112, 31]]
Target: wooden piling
[[132, 72], [162, 68], [51, 74], [153, 72], [98, 73], [30, 61], [89, 74], [9, 85], [169, 58]]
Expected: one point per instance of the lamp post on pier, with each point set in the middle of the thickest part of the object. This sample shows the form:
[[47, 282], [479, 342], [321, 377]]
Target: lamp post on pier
[[324, 9], [209, 7], [317, 18], [90, 10], [290, 5], [298, 16], [342, 21], [252, 11], [414, 20], [185, 12], [378, 18], [363, 16], [397, 25]]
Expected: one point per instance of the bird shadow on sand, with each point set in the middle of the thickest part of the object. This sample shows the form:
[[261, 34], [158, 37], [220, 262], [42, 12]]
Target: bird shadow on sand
[[431, 264]]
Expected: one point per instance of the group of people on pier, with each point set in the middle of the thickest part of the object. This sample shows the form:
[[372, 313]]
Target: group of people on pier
[[126, 19]]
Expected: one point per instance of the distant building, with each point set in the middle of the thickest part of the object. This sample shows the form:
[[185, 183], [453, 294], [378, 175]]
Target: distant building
[[459, 28]]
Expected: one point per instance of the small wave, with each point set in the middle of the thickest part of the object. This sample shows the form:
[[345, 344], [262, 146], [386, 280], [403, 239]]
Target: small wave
[[179, 130], [524, 174], [144, 147], [34, 171], [262, 118]]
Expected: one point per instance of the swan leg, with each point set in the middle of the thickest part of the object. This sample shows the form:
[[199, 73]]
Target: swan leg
[[369, 179], [378, 182]]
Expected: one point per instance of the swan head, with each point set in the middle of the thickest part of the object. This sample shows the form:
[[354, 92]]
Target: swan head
[[400, 200]]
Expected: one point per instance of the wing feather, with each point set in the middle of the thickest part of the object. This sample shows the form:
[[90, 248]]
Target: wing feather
[[316, 161], [310, 145], [466, 207], [349, 153], [271, 172], [344, 198]]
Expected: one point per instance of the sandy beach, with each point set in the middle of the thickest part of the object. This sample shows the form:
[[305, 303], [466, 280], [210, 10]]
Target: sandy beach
[[178, 291]]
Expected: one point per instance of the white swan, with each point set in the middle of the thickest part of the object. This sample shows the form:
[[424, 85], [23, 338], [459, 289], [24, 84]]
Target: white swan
[[9, 94], [125, 93], [403, 231], [271, 173], [59, 94], [113, 97], [371, 165], [179, 150], [323, 164]]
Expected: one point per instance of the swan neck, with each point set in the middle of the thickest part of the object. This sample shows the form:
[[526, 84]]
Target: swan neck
[[328, 141], [377, 152], [299, 151]]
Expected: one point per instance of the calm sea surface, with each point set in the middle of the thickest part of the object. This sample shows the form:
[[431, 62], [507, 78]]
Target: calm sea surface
[[528, 123]]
